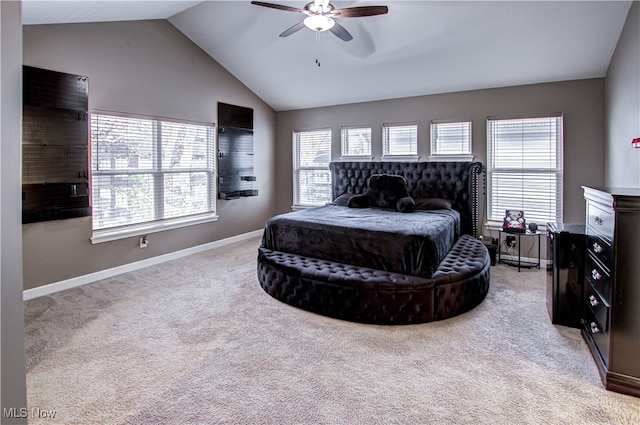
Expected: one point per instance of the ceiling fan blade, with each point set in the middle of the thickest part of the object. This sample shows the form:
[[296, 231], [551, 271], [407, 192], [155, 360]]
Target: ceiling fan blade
[[341, 32], [359, 11], [278, 6], [297, 27]]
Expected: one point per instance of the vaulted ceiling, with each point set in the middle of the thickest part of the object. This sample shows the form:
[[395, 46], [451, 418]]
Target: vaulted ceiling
[[417, 48]]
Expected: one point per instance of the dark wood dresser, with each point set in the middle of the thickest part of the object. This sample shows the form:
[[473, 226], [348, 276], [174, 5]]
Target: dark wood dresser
[[611, 322]]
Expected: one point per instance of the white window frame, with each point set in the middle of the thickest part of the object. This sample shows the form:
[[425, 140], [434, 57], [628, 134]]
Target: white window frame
[[443, 143], [497, 173], [323, 173], [387, 140], [157, 224], [346, 133]]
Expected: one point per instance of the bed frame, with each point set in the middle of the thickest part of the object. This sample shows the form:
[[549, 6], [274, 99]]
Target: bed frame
[[365, 295], [457, 181]]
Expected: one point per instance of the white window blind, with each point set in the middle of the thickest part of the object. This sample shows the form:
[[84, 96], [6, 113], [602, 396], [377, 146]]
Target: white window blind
[[400, 139], [524, 168], [146, 170], [311, 176], [356, 141], [451, 140]]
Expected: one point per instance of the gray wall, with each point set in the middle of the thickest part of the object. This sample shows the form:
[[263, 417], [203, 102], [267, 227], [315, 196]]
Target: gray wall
[[143, 67], [581, 102], [12, 385], [623, 106]]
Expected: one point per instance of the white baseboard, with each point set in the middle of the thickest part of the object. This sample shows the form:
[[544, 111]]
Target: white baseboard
[[524, 260], [51, 288]]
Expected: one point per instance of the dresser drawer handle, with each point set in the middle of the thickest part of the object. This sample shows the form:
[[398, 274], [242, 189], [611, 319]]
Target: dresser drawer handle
[[597, 248], [594, 328], [596, 275], [598, 221], [593, 301]]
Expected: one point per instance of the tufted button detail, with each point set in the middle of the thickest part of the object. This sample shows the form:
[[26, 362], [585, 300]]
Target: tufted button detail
[[424, 180], [375, 296]]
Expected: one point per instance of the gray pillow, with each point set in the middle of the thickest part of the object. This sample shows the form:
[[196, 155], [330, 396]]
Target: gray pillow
[[433, 204], [343, 199]]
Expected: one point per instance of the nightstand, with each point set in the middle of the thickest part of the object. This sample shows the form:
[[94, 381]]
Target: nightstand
[[519, 262]]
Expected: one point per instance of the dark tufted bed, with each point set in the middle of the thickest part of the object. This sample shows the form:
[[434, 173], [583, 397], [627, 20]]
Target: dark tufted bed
[[378, 265]]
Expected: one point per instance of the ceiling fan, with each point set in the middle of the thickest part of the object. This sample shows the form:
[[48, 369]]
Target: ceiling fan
[[321, 16]]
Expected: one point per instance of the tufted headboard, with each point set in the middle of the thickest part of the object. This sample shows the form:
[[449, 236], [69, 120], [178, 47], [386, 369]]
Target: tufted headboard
[[457, 181]]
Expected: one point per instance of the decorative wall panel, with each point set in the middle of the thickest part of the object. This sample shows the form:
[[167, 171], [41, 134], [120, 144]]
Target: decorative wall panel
[[55, 138], [235, 152]]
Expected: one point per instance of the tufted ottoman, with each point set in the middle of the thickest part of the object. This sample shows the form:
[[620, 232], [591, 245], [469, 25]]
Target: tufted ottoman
[[375, 296]]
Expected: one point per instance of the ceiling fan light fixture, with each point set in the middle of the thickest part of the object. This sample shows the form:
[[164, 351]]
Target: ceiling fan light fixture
[[319, 7], [321, 14], [319, 22]]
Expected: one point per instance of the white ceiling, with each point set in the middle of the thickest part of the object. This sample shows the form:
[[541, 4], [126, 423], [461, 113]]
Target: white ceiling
[[75, 11], [418, 48]]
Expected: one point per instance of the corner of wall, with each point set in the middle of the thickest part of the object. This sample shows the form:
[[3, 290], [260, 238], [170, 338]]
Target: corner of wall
[[13, 382]]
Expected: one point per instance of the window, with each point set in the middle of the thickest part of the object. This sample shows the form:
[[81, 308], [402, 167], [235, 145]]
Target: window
[[148, 174], [524, 168], [356, 142], [311, 176], [400, 140], [451, 141]]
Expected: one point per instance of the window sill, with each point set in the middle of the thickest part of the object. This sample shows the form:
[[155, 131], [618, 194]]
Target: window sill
[[400, 157], [451, 158], [100, 236], [356, 158], [305, 207]]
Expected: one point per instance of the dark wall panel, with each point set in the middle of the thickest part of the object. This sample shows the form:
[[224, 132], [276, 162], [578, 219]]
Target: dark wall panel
[[55, 138], [235, 152]]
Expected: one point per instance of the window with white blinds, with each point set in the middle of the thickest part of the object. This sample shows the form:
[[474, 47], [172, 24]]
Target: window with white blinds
[[311, 176], [524, 167], [148, 172], [356, 142], [450, 140], [400, 140]]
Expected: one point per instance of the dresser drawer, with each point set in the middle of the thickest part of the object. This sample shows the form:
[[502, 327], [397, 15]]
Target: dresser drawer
[[598, 276], [600, 248], [599, 307], [599, 337], [601, 219]]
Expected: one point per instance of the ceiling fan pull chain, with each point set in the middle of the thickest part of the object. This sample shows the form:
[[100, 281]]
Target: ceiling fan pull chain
[[317, 47]]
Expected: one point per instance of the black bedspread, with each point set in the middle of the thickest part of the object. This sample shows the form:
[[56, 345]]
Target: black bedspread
[[412, 244]]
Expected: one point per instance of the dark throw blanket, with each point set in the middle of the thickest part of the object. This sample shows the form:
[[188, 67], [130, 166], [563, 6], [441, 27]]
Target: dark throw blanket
[[412, 244]]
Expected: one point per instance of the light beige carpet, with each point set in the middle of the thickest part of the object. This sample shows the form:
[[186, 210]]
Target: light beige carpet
[[197, 341]]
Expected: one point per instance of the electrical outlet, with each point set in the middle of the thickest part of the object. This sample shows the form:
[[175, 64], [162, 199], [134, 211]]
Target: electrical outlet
[[144, 242], [511, 241]]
